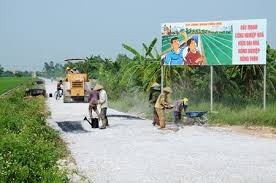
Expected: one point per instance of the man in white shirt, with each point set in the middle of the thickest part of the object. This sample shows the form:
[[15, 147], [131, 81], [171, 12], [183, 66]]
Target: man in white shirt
[[103, 105]]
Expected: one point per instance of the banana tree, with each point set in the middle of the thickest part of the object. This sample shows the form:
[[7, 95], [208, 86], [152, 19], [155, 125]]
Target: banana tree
[[144, 68]]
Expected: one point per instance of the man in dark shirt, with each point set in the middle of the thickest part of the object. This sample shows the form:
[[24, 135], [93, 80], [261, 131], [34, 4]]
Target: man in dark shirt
[[59, 88], [93, 103], [179, 105]]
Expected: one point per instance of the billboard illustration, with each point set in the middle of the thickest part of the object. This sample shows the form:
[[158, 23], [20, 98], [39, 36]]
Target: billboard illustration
[[238, 42]]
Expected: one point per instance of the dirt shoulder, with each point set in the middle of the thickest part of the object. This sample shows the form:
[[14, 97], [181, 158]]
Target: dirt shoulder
[[260, 131]]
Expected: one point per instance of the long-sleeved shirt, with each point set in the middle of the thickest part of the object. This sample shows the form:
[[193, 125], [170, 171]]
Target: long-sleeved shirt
[[162, 101], [154, 94], [178, 105], [103, 99]]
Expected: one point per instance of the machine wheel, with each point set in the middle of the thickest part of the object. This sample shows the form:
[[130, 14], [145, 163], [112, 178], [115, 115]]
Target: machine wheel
[[86, 99], [66, 99]]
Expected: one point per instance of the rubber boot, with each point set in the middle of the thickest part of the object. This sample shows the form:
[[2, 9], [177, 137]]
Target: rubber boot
[[107, 122]]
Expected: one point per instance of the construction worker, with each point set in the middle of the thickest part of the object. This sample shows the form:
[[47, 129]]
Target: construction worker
[[154, 93], [179, 105], [93, 102], [161, 104], [68, 70], [103, 105]]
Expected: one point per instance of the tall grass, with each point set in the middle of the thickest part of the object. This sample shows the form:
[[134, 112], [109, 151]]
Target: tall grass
[[249, 115], [137, 102]]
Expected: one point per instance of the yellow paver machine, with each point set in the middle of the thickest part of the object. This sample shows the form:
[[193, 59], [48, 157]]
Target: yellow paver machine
[[76, 87]]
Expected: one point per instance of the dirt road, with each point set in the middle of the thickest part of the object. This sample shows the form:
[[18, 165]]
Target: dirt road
[[133, 151]]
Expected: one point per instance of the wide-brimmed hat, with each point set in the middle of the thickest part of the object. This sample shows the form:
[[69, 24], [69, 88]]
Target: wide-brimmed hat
[[98, 87], [155, 86], [167, 89]]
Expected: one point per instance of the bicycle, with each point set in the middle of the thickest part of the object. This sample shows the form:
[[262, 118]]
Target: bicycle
[[58, 94]]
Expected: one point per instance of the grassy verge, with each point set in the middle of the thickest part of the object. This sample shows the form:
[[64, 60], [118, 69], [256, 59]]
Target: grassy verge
[[29, 149], [7, 83], [249, 115]]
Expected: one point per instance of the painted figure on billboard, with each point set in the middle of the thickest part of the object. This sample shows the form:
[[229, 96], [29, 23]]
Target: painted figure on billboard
[[175, 56], [193, 57], [186, 52]]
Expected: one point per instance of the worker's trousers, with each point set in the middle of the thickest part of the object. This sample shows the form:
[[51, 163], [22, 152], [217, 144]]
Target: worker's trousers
[[155, 117], [177, 117], [162, 117], [104, 117]]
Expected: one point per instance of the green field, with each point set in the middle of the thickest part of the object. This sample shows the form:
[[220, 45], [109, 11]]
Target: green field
[[217, 48], [7, 83]]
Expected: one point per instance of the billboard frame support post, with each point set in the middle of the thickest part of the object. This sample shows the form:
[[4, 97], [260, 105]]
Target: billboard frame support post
[[211, 88], [162, 77], [264, 94]]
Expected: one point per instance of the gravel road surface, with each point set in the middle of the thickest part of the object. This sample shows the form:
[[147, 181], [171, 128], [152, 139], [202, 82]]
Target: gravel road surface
[[133, 151]]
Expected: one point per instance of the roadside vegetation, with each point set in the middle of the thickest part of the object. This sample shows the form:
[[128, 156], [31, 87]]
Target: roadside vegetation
[[251, 115], [238, 90], [29, 149]]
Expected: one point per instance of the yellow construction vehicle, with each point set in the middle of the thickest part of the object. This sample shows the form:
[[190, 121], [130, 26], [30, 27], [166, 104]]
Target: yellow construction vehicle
[[76, 87]]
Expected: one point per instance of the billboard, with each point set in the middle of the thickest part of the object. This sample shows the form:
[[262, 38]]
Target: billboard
[[237, 42]]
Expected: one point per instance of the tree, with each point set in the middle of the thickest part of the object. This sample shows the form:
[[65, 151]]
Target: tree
[[1, 70], [53, 70], [144, 68], [7, 74], [271, 70]]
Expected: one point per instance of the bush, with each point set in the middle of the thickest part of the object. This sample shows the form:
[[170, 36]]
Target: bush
[[29, 149]]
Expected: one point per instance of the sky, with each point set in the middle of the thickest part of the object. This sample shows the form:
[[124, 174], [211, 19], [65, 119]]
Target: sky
[[34, 31]]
